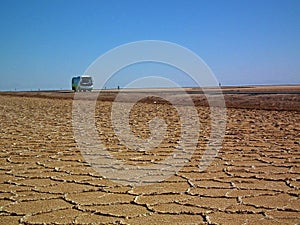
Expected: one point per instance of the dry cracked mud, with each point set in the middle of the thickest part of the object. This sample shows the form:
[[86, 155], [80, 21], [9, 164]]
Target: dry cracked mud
[[255, 178]]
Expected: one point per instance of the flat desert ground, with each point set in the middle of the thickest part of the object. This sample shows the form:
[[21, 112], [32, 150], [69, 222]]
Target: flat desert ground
[[254, 179]]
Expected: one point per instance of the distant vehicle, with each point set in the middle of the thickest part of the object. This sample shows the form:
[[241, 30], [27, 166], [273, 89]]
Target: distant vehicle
[[82, 83]]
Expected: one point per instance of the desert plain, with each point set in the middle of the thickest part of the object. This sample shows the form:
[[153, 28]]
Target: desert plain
[[254, 178]]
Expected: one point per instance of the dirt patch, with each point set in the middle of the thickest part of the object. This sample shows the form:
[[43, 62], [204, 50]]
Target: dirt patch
[[255, 179]]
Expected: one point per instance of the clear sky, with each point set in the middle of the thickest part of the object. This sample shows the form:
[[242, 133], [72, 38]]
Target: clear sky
[[45, 42]]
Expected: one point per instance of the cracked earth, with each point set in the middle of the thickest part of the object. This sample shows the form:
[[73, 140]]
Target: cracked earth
[[255, 178]]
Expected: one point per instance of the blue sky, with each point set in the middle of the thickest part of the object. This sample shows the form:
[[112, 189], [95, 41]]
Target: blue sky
[[43, 43]]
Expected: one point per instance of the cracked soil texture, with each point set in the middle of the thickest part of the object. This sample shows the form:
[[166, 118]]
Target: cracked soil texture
[[255, 178]]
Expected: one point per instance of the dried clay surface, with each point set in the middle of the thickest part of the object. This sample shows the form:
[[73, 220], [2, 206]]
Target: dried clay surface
[[254, 179]]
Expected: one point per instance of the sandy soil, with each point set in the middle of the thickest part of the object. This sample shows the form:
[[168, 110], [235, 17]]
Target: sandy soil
[[255, 178], [247, 97]]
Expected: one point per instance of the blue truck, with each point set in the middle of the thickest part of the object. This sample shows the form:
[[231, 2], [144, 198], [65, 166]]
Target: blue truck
[[82, 83]]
